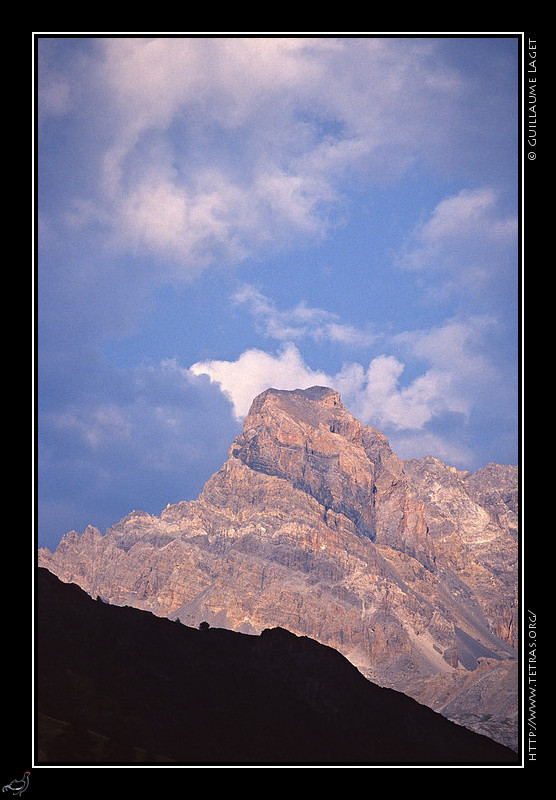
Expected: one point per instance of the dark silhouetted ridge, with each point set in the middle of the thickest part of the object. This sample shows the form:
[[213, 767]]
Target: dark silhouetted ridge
[[120, 685]]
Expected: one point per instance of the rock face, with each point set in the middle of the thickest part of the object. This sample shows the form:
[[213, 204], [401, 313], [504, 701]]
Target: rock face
[[313, 524]]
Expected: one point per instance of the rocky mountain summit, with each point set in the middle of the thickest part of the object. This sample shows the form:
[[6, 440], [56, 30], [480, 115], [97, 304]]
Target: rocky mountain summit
[[407, 568]]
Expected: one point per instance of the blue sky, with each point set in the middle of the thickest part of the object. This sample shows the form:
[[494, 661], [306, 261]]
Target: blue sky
[[217, 215]]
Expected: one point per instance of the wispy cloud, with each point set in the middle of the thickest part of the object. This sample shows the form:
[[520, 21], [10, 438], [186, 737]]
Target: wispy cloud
[[300, 322], [470, 212], [467, 244]]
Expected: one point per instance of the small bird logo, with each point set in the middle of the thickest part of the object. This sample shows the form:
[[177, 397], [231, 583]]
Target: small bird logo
[[17, 787]]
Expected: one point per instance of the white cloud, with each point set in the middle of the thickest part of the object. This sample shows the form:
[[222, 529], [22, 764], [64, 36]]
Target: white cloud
[[274, 122], [255, 371], [176, 223], [459, 215], [228, 96], [467, 237], [457, 348], [379, 398], [455, 373]]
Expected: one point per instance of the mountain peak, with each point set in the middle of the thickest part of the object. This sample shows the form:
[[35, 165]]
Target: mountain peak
[[319, 394], [313, 524], [310, 405], [306, 437]]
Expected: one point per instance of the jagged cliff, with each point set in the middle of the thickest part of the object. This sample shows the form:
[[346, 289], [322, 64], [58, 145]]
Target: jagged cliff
[[313, 524]]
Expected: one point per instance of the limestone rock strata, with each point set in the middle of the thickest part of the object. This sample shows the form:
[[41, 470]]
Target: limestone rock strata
[[314, 524]]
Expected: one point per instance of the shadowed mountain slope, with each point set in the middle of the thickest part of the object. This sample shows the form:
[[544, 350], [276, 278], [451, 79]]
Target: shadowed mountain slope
[[116, 684]]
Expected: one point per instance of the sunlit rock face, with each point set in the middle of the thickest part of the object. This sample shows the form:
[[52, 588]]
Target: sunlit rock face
[[313, 524]]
